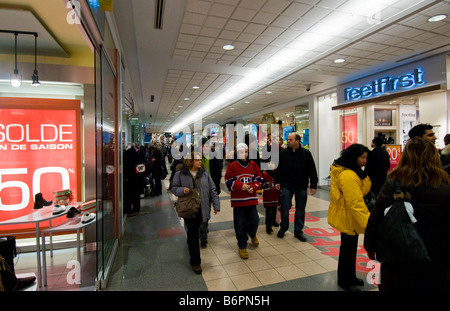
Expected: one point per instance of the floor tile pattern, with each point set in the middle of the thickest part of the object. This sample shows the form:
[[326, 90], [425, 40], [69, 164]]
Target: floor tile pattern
[[152, 254]]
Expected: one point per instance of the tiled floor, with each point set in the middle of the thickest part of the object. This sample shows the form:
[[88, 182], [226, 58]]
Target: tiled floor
[[60, 269], [153, 255], [275, 260]]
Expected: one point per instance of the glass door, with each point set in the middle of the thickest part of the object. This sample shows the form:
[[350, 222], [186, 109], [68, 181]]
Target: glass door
[[106, 164]]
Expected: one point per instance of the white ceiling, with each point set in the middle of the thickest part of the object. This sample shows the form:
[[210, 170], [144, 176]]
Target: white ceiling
[[280, 46]]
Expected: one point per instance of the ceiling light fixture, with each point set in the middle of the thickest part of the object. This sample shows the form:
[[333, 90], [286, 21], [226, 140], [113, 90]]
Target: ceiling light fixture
[[16, 79], [339, 61], [195, 87], [228, 47], [437, 18], [35, 76]]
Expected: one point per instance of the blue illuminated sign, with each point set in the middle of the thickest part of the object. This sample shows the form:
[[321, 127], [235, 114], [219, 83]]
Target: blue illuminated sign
[[385, 84]]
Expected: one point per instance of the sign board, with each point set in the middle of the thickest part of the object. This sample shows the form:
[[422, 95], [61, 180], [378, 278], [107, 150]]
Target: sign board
[[349, 130], [39, 153], [421, 74], [395, 152]]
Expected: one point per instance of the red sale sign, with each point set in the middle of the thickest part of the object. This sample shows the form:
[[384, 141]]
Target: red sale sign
[[395, 152], [349, 130], [38, 154]]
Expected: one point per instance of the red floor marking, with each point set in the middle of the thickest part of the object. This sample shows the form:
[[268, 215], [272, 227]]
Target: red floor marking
[[170, 232]]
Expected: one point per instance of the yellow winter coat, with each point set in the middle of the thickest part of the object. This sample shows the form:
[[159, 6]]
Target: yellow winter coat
[[347, 212]]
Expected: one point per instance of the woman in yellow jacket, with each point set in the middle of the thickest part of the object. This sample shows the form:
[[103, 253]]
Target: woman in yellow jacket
[[348, 212]]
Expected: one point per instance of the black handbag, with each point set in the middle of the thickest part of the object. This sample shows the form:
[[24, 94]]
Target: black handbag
[[189, 204], [398, 238], [370, 199]]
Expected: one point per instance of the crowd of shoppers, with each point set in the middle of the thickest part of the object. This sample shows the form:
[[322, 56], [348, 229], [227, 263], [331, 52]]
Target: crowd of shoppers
[[420, 173], [355, 174], [143, 168]]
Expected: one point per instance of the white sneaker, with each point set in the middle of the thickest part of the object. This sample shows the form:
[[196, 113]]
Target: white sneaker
[[87, 217], [58, 209]]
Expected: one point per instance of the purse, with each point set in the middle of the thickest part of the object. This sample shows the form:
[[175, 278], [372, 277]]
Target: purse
[[370, 200], [189, 204]]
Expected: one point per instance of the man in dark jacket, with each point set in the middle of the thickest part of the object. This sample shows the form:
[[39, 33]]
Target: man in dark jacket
[[377, 165], [296, 170]]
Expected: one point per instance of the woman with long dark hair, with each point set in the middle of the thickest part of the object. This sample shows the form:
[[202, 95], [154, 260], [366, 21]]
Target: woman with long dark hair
[[348, 212], [420, 174]]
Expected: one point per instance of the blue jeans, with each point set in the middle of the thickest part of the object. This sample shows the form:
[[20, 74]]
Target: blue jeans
[[246, 222], [301, 196]]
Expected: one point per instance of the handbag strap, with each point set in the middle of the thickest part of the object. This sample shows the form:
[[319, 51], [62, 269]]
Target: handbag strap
[[399, 194], [197, 184], [196, 180]]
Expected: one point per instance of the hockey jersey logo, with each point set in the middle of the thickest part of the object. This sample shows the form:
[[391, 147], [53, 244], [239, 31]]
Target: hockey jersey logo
[[246, 178]]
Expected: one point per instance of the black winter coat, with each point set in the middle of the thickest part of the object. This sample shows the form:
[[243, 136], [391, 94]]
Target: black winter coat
[[377, 166], [296, 169]]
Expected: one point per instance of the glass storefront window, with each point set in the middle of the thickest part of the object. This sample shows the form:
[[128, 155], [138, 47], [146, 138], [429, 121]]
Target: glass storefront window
[[106, 164]]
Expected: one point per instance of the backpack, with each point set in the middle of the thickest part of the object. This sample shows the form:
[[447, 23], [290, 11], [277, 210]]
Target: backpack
[[189, 204], [398, 238]]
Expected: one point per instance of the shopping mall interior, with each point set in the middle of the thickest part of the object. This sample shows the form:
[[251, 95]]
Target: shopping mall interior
[[82, 81]]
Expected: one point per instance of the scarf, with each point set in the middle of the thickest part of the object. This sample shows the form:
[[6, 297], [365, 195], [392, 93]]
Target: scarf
[[352, 166]]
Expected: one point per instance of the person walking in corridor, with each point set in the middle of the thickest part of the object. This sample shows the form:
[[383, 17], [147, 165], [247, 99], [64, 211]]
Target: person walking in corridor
[[184, 180], [243, 178], [296, 170]]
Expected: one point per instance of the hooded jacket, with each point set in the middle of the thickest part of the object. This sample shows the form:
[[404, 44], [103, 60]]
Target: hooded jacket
[[348, 212], [207, 190]]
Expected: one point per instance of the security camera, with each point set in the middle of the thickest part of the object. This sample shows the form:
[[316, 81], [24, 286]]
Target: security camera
[[308, 87]]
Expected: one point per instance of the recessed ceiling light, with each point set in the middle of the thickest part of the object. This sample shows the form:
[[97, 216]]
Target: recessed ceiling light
[[269, 92], [437, 18], [247, 102], [339, 61], [228, 47], [180, 106], [195, 87], [186, 98]]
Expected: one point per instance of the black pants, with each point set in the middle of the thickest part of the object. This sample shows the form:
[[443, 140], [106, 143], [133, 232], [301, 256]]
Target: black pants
[[131, 198], [157, 190], [192, 227], [271, 215], [346, 271]]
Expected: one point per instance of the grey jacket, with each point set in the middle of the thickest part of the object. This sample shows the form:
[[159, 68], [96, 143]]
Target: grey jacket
[[207, 190]]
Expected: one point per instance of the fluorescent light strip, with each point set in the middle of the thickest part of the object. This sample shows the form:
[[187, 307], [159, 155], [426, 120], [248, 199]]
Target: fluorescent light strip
[[333, 25]]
